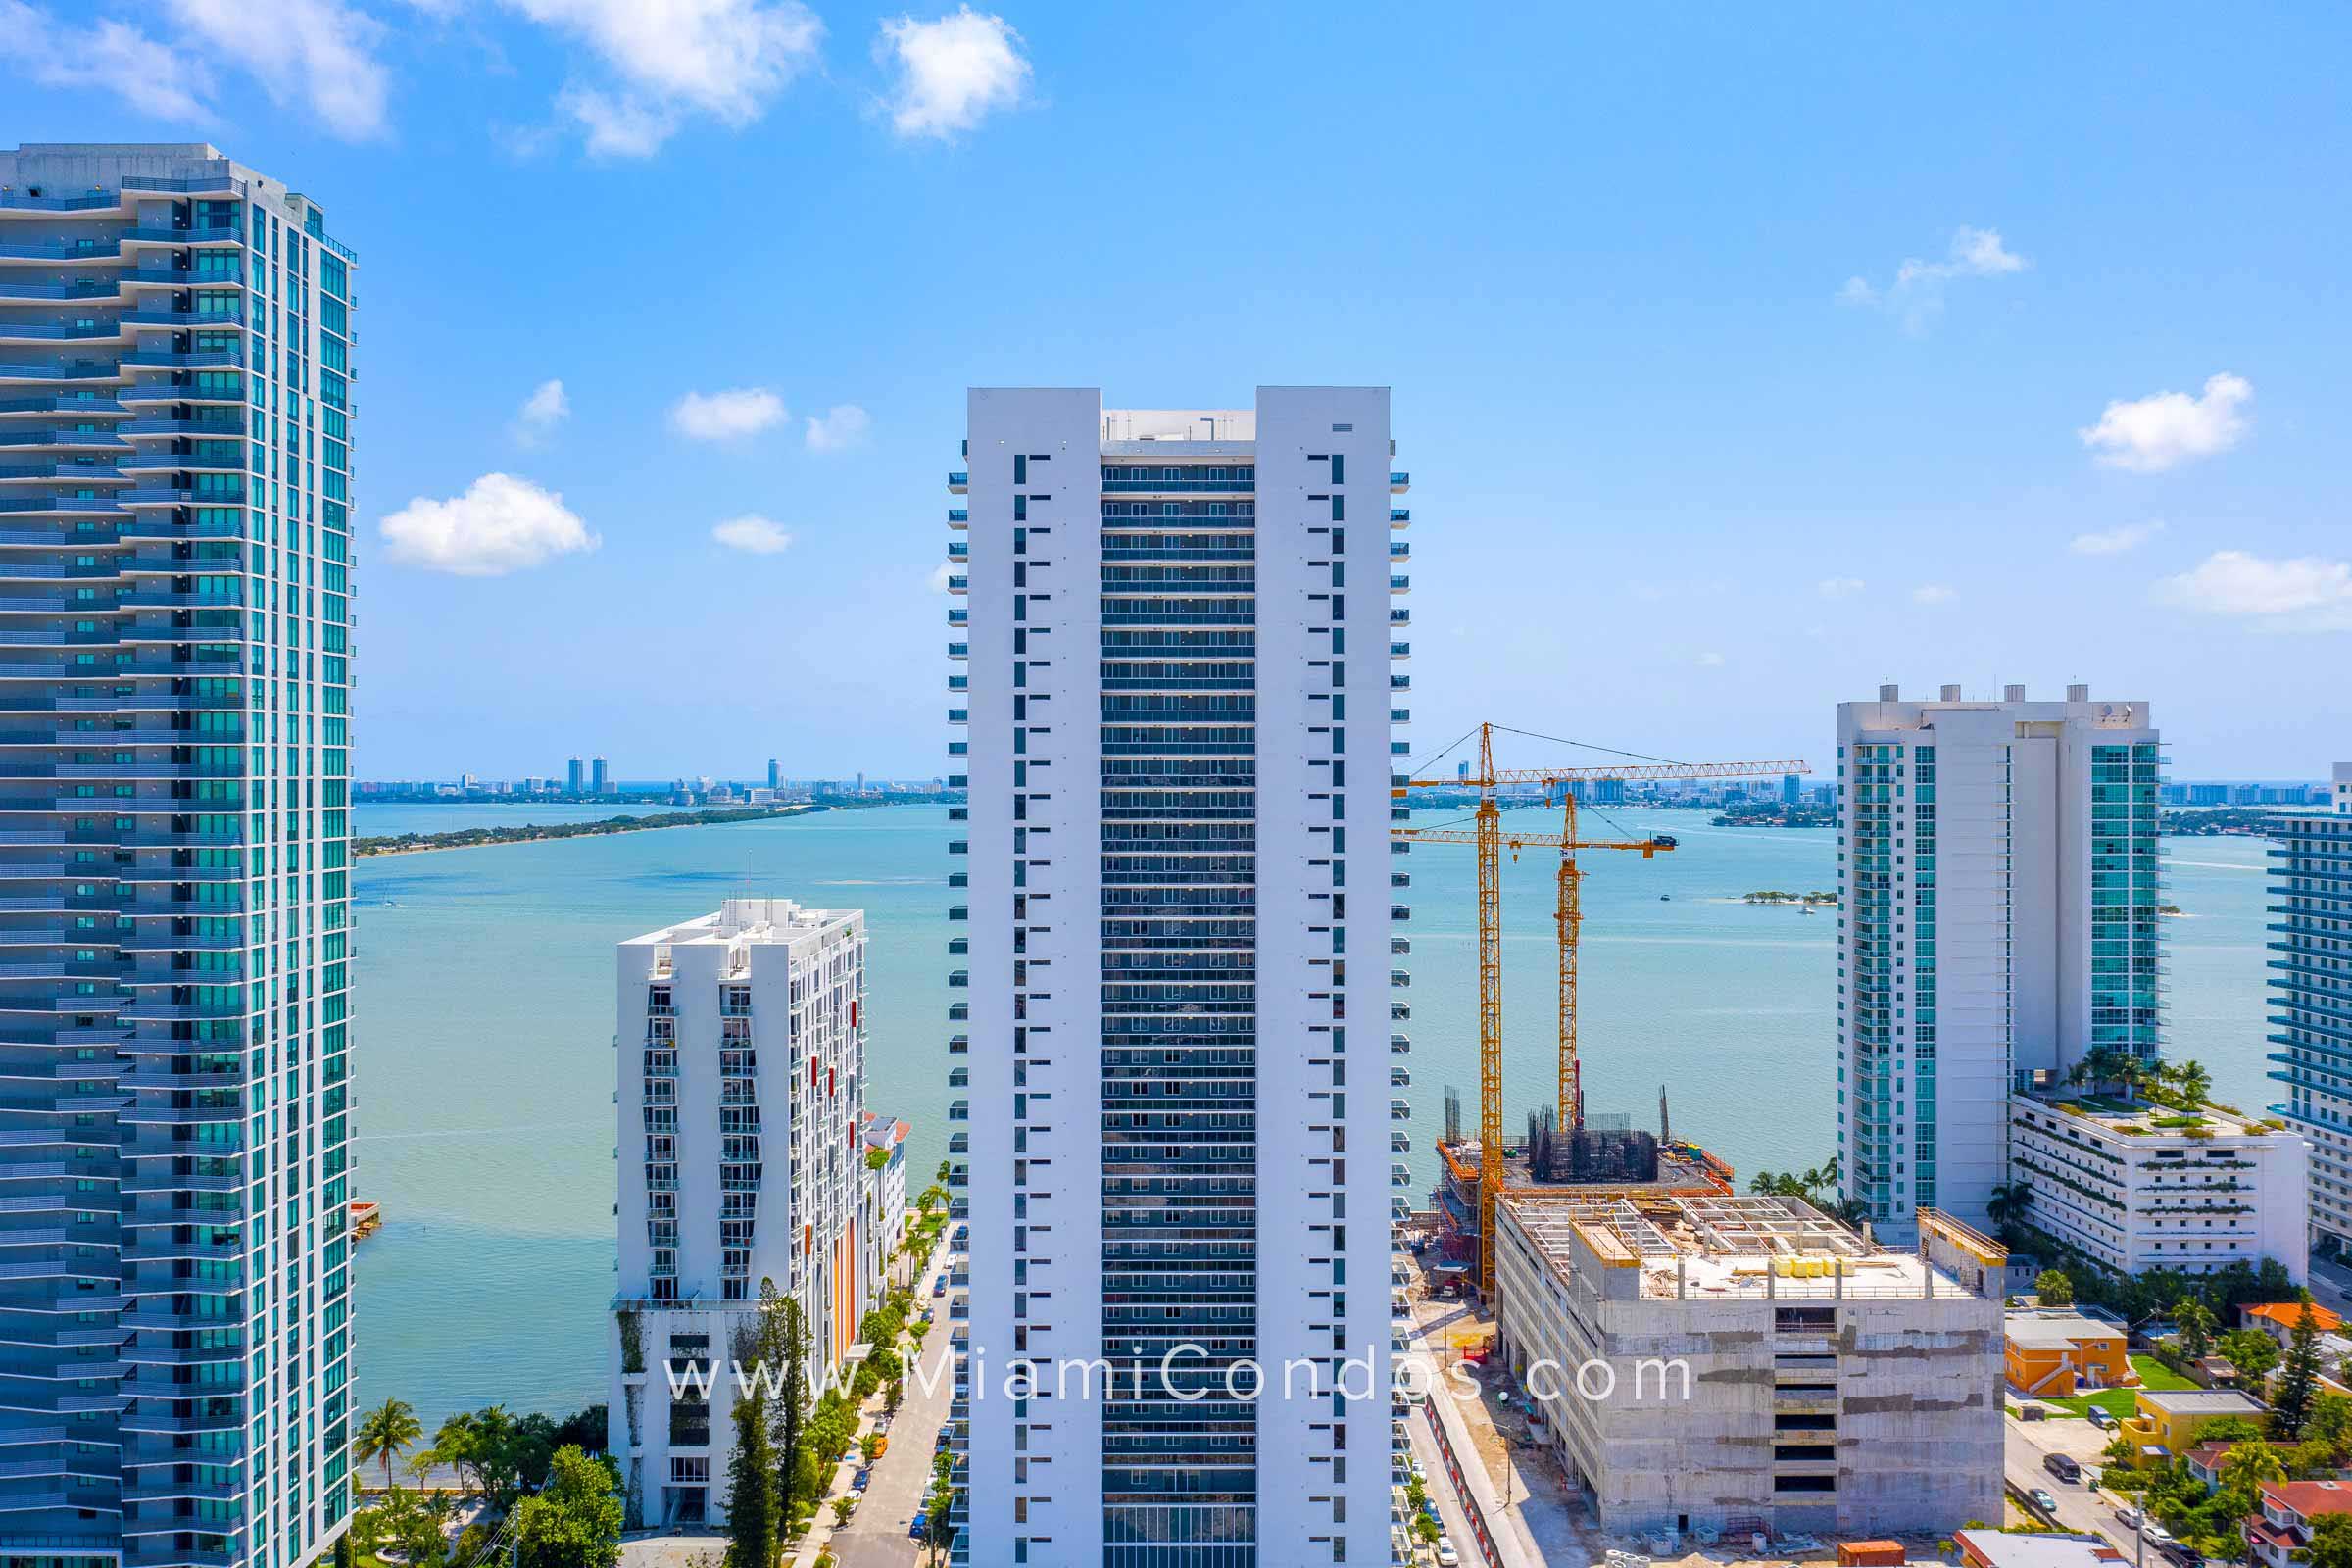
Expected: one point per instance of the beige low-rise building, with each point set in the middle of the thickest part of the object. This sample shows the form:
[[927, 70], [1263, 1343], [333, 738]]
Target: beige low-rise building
[[1734, 1363]]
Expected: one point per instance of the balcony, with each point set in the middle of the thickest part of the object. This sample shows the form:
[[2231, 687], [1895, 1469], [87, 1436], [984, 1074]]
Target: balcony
[[959, 484], [958, 518], [1399, 483]]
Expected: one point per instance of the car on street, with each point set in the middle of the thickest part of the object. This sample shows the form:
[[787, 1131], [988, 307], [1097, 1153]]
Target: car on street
[[2157, 1536], [919, 1527], [939, 1287], [2128, 1517], [1448, 1558], [2044, 1500], [858, 1481]]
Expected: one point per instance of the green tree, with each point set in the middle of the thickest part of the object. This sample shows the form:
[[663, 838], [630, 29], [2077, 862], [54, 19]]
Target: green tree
[[2331, 1541], [2054, 1288], [2194, 1083], [2298, 1377], [801, 1483], [384, 1433], [752, 1503], [2248, 1464], [2196, 1324], [2252, 1351], [2330, 1422], [939, 1531], [2008, 1204], [575, 1521]]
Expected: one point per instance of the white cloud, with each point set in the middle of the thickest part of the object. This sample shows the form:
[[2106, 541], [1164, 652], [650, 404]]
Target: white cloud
[[2153, 433], [728, 59], [754, 534], [1932, 593], [546, 408], [844, 424], [727, 415], [951, 72], [618, 127], [2116, 540], [319, 51], [1917, 293], [2305, 594], [500, 524], [1841, 587], [152, 77], [1710, 661]]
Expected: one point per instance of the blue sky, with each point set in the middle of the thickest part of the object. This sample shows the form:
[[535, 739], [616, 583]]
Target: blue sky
[[1682, 482]]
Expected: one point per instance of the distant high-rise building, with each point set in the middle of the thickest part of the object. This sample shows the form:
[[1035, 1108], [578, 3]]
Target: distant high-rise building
[[575, 776], [600, 777], [775, 774], [1791, 789], [742, 1081], [2311, 882], [1998, 876], [1179, 1111], [174, 1023]]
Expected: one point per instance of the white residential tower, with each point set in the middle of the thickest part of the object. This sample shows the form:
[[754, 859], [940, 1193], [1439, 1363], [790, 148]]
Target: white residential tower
[[742, 1066], [1999, 884], [1176, 1073]]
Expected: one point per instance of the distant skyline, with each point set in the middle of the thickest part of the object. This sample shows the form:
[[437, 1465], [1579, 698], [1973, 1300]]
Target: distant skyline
[[1740, 364]]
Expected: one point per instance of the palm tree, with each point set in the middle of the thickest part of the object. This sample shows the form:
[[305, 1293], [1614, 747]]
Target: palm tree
[[384, 1433], [2007, 1204], [2194, 1083], [2195, 1321]]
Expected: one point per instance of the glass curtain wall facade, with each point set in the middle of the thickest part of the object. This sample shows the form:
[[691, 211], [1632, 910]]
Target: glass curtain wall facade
[[175, 1013]]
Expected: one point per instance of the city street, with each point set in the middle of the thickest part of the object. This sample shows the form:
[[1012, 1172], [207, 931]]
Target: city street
[[2029, 1443], [876, 1535]]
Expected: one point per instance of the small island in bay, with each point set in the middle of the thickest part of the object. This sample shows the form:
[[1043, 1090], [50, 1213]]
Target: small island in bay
[[467, 838], [1812, 900]]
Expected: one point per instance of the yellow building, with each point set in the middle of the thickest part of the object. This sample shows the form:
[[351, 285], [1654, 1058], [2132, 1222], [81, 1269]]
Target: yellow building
[[2174, 1419]]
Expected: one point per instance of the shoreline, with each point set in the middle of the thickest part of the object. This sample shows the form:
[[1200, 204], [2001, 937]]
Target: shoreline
[[484, 838]]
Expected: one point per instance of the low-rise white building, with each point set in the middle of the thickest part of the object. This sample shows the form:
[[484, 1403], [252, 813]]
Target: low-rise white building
[[2138, 1187], [886, 1194], [1741, 1362], [742, 1068]]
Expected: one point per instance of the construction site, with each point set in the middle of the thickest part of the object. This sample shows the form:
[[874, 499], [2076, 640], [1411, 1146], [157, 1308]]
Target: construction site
[[1826, 1384]]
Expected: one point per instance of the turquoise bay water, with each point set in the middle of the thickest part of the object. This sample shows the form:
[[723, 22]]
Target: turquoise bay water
[[485, 1033]]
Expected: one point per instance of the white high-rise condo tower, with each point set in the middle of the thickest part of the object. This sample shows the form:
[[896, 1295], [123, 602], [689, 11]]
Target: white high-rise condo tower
[[1997, 871], [2311, 990], [174, 1281], [1181, 705], [742, 1041]]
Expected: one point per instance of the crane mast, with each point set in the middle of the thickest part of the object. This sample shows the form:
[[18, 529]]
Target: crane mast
[[1487, 835]]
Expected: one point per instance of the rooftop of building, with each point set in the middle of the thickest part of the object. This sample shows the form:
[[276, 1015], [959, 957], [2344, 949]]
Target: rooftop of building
[[2042, 1549], [2289, 1315], [2057, 1329], [2132, 1116], [2201, 1401], [1721, 1246], [751, 921], [2310, 1499]]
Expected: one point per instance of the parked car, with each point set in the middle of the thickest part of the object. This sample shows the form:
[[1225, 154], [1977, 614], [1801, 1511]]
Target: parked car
[[881, 1443], [2128, 1517], [939, 1286], [2157, 1536], [2044, 1500], [858, 1481], [1448, 1558], [2102, 1419], [919, 1527]]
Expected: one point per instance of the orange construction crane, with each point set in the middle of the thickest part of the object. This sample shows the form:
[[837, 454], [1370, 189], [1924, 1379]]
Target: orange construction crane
[[1568, 916]]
